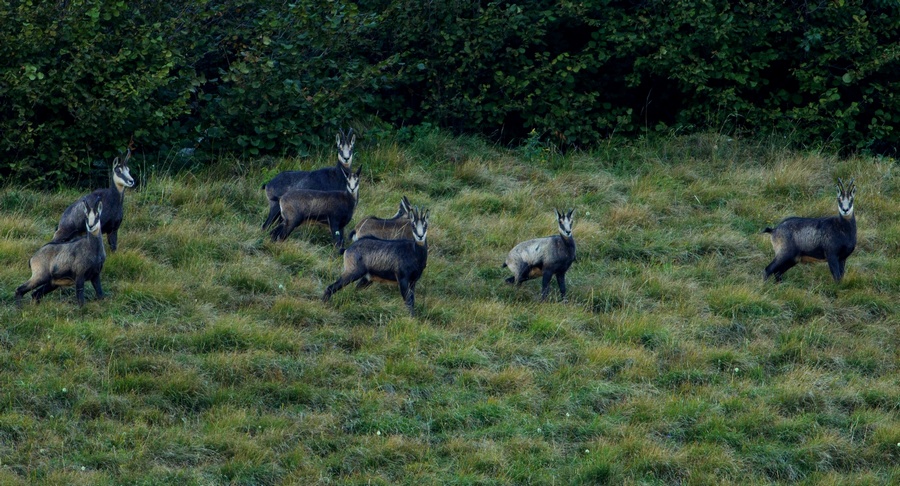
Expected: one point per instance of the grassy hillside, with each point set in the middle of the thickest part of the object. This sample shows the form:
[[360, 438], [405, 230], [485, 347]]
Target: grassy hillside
[[213, 360]]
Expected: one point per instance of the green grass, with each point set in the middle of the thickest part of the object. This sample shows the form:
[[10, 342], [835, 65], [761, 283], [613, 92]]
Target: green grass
[[214, 361]]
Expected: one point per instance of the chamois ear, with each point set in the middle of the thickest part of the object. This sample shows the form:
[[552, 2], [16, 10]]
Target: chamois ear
[[558, 214], [116, 162], [99, 207], [571, 212], [337, 138], [404, 203], [358, 170], [84, 206]]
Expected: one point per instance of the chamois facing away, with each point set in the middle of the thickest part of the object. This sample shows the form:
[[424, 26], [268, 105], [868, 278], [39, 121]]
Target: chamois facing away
[[544, 257], [401, 261], [397, 227], [831, 239], [71, 262], [326, 179], [72, 221], [333, 208]]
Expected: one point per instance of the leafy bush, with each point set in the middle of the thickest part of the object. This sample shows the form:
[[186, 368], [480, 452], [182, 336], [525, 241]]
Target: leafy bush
[[270, 77]]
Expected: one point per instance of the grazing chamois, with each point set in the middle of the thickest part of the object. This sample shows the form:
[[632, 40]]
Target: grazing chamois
[[326, 179], [397, 227], [71, 262], [72, 222], [333, 208], [401, 261], [831, 239], [549, 256]]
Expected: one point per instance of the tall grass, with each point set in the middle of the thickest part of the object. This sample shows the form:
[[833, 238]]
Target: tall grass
[[213, 360]]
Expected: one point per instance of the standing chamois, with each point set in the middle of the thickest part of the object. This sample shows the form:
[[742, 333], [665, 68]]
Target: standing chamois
[[397, 227], [333, 208], [401, 261], [831, 239], [72, 222], [545, 257], [326, 179], [71, 262]]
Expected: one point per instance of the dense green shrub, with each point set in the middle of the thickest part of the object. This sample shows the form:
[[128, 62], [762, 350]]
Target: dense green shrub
[[81, 77]]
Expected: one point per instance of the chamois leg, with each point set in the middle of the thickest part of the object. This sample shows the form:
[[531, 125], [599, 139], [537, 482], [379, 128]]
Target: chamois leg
[[79, 290], [545, 285], [274, 214], [113, 239], [283, 230], [98, 288], [408, 295], [43, 290], [363, 283], [337, 234], [522, 274], [28, 286], [343, 281], [784, 267], [836, 267], [778, 266], [561, 280]]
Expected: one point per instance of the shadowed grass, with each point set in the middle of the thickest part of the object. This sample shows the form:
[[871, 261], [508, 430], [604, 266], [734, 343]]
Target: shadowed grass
[[213, 360]]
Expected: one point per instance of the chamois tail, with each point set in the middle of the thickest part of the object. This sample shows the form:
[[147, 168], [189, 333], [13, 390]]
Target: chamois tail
[[767, 230]]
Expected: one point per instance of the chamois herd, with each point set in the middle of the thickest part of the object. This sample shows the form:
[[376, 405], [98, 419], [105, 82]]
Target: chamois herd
[[391, 249]]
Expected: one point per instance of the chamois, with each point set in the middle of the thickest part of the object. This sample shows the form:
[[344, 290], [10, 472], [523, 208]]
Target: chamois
[[549, 256], [397, 227], [326, 179], [72, 222], [70, 262], [401, 261], [831, 238], [334, 208]]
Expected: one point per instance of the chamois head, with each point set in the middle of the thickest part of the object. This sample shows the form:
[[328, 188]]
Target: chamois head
[[121, 174], [419, 224], [565, 223], [92, 216], [352, 181], [345, 142], [845, 198]]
